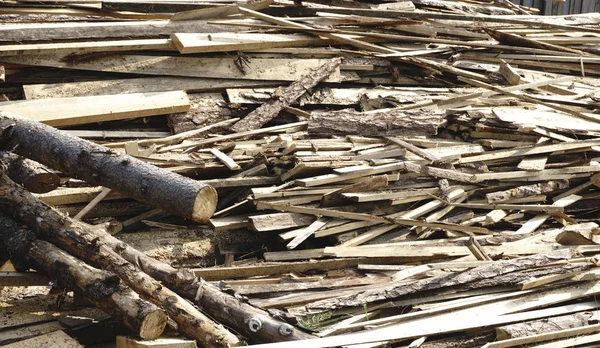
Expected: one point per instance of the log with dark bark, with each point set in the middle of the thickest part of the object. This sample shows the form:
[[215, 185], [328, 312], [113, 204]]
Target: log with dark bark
[[100, 287], [101, 166], [81, 240], [385, 122], [403, 288], [257, 325], [285, 97], [34, 176]]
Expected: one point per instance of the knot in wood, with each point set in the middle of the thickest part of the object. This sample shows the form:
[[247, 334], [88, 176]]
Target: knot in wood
[[254, 325], [285, 330]]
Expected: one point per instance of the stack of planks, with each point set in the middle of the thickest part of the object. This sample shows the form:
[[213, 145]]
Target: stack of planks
[[417, 173]]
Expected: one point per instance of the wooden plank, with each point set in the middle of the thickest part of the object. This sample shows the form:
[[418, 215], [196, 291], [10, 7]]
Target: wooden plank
[[88, 47], [219, 11], [224, 42], [279, 221], [277, 69], [533, 150], [56, 339], [64, 196], [162, 342], [134, 85], [226, 160], [24, 32], [8, 335], [60, 112], [388, 250], [305, 233], [218, 273]]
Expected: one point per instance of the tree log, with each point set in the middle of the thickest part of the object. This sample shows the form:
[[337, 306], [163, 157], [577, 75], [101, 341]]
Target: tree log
[[35, 177], [286, 96], [101, 166], [403, 288], [102, 288], [81, 240], [387, 122], [254, 323]]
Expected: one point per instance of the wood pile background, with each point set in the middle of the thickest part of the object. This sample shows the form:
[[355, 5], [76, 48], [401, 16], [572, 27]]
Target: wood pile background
[[419, 173]]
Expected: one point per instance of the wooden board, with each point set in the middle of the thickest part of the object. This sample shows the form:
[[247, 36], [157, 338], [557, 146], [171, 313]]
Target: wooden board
[[56, 339], [88, 47], [277, 69], [135, 85], [162, 342], [60, 112], [546, 118], [224, 42]]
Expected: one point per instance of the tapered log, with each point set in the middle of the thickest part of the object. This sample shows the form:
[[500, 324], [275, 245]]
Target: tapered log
[[101, 166], [403, 288], [386, 122], [35, 177], [102, 288], [81, 240]]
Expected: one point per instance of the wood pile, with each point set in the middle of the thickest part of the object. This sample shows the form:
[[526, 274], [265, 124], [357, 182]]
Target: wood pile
[[416, 173]]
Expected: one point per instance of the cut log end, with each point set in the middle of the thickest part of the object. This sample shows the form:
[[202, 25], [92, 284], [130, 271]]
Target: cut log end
[[153, 325], [205, 204], [42, 182]]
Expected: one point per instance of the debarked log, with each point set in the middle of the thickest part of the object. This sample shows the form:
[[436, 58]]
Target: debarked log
[[80, 240], [387, 122], [101, 166], [100, 287]]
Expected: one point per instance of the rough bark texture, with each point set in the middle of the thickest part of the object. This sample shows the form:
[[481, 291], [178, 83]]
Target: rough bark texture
[[403, 288], [541, 326], [452, 6], [101, 166], [35, 177], [81, 240], [286, 97], [102, 288], [375, 123], [518, 277], [526, 191], [254, 323]]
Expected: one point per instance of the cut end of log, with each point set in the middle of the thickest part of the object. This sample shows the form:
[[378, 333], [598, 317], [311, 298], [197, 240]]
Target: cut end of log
[[42, 183], [205, 204], [153, 325]]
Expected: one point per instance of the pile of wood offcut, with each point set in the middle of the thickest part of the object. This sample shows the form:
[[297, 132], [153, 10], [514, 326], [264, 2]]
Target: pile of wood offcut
[[419, 173]]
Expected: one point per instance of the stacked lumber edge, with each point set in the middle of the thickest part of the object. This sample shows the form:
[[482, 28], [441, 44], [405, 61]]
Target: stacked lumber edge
[[419, 173]]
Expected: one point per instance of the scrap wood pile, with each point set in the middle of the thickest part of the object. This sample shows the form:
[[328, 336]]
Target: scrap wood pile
[[418, 173]]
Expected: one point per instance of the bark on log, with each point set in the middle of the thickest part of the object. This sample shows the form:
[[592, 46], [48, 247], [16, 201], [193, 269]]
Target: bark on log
[[81, 240], [101, 166], [375, 123], [255, 324], [403, 288], [102, 288], [541, 326], [286, 97], [526, 191], [35, 177]]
